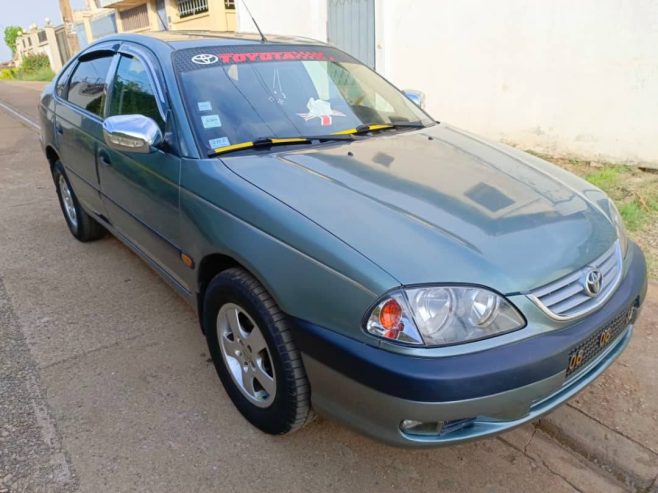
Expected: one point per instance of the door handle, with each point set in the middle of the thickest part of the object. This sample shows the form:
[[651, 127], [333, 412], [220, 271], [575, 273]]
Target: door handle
[[59, 129], [104, 160]]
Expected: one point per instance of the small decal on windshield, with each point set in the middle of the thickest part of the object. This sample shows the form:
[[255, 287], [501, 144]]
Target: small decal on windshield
[[217, 143], [204, 106], [204, 59], [318, 108], [211, 121]]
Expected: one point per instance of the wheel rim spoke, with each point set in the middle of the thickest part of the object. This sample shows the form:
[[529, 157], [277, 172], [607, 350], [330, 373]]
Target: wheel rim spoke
[[233, 349], [256, 341], [248, 381], [265, 380], [234, 322]]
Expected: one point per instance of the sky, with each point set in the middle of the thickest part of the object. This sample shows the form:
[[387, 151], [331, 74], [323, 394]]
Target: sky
[[25, 12]]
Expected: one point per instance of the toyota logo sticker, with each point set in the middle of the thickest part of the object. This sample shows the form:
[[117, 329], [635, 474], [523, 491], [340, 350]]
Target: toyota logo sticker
[[204, 59]]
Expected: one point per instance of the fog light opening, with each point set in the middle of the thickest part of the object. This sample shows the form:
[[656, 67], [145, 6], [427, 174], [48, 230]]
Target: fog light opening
[[414, 427], [433, 428]]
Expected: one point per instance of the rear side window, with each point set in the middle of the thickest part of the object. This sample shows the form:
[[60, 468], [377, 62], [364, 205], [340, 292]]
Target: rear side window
[[87, 86], [132, 91]]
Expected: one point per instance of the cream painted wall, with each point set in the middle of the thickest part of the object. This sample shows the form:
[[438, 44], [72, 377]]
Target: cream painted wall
[[567, 77]]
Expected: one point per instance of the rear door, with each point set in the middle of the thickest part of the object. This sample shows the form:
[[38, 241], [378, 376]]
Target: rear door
[[79, 124], [140, 191]]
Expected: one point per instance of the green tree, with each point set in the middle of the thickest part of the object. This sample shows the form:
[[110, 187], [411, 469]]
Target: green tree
[[11, 34]]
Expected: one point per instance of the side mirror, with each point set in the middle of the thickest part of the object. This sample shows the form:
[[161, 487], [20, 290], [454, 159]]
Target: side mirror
[[418, 97], [132, 133]]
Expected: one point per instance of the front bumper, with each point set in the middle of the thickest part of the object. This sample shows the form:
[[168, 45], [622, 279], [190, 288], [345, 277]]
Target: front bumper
[[374, 390]]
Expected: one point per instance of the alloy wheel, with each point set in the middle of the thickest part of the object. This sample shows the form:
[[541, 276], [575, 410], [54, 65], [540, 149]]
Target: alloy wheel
[[246, 355]]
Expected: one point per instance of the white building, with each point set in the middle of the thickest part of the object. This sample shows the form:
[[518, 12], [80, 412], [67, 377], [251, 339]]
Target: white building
[[566, 77]]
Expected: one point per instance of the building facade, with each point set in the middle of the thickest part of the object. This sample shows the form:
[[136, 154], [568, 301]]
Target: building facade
[[104, 17], [49, 40], [158, 15]]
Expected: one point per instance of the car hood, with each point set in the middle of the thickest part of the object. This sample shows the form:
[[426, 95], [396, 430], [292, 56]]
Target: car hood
[[442, 206]]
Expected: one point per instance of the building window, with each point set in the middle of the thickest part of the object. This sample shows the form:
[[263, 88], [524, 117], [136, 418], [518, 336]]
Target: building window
[[42, 37], [187, 8], [135, 18], [229, 4]]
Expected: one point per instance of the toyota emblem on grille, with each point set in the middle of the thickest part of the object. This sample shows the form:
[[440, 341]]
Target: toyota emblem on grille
[[204, 59], [593, 282]]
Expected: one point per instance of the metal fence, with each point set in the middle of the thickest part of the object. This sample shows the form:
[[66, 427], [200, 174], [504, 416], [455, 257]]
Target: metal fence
[[187, 8], [134, 18]]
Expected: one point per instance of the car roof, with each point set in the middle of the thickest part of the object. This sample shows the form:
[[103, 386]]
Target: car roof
[[189, 39]]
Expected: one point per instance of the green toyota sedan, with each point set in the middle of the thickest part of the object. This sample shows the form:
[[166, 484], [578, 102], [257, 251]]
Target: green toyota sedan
[[346, 253]]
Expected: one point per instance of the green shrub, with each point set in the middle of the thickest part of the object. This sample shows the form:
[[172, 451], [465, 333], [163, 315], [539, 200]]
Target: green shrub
[[42, 74], [35, 63], [7, 74]]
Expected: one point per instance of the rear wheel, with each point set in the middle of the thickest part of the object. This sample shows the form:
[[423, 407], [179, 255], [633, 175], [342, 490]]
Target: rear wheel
[[254, 354], [82, 225]]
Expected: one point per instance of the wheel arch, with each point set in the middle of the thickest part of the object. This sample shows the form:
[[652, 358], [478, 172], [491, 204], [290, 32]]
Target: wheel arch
[[210, 266], [52, 155]]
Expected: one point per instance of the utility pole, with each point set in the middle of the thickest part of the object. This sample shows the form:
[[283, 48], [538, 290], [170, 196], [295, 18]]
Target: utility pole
[[67, 17]]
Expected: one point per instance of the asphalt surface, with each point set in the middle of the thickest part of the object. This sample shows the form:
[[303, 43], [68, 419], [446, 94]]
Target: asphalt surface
[[106, 383]]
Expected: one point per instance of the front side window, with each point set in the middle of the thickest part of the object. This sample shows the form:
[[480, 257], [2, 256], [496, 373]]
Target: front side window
[[132, 91], [241, 94], [87, 86], [63, 80]]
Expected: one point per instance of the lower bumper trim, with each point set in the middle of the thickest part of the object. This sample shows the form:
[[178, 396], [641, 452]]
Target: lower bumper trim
[[379, 415]]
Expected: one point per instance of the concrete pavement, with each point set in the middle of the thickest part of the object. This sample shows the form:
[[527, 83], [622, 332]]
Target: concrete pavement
[[106, 383]]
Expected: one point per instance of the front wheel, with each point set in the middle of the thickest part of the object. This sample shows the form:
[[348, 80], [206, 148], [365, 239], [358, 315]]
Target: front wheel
[[254, 354], [82, 225]]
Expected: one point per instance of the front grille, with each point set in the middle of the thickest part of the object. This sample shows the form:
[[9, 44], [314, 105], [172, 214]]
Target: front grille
[[595, 344], [566, 298]]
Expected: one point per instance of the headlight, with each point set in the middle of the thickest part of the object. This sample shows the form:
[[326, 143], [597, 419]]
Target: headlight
[[617, 220], [442, 315]]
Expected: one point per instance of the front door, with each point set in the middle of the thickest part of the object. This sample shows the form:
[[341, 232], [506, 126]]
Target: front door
[[140, 191], [78, 126]]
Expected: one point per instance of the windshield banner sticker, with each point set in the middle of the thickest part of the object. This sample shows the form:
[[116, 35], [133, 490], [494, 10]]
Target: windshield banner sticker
[[220, 142], [211, 121], [318, 108], [261, 56]]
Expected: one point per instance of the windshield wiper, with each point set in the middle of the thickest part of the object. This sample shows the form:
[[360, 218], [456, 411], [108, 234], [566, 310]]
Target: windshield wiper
[[273, 141], [375, 127]]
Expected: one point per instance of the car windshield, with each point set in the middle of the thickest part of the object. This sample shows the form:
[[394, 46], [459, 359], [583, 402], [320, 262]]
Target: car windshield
[[241, 94]]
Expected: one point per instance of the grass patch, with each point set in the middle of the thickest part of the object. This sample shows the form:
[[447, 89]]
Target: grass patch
[[633, 214], [607, 178]]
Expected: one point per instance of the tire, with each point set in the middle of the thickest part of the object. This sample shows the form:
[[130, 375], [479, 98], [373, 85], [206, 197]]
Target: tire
[[235, 295], [84, 227]]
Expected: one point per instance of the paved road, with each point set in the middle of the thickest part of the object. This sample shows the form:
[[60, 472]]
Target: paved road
[[106, 383]]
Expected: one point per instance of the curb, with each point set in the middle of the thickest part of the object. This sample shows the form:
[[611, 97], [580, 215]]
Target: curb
[[629, 461]]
